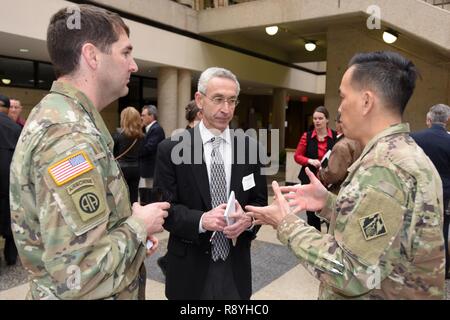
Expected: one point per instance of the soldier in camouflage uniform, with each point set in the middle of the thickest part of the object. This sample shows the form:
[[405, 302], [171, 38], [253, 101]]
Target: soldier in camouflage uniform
[[73, 224], [385, 238]]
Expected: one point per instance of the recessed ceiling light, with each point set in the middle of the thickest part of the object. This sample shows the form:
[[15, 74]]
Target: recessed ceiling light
[[272, 30], [310, 46], [390, 36], [24, 50]]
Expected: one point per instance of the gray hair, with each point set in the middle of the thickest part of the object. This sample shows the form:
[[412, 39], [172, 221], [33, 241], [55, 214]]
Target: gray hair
[[439, 113], [151, 110], [215, 72]]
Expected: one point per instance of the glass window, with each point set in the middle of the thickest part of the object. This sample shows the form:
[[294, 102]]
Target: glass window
[[46, 76], [16, 73]]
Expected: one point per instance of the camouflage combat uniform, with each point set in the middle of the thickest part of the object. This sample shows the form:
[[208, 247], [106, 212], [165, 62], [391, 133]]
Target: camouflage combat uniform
[[385, 239], [69, 204]]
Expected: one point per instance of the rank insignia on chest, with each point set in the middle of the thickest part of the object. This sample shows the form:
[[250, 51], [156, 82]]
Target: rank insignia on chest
[[70, 167], [373, 226]]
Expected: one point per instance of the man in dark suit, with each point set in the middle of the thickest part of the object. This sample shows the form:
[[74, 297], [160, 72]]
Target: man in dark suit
[[154, 134], [9, 135], [197, 170], [435, 142]]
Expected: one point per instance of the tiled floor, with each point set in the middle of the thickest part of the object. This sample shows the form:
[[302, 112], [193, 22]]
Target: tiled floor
[[276, 273]]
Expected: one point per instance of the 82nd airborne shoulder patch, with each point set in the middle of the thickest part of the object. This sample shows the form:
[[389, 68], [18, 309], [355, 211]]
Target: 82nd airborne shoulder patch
[[372, 226]]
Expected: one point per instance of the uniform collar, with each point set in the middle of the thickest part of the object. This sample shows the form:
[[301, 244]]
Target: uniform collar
[[394, 129], [86, 104]]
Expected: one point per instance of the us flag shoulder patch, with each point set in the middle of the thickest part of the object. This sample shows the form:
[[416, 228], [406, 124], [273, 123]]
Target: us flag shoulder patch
[[70, 167]]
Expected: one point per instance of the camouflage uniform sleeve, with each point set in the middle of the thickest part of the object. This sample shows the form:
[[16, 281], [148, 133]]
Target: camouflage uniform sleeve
[[349, 260], [93, 249], [328, 210]]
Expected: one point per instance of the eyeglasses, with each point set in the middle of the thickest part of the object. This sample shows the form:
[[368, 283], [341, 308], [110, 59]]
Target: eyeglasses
[[232, 102]]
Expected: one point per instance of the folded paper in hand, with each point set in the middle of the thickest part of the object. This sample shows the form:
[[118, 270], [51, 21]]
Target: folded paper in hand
[[231, 208]]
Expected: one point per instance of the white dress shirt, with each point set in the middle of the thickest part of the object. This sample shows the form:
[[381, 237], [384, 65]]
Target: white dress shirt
[[224, 149], [149, 126]]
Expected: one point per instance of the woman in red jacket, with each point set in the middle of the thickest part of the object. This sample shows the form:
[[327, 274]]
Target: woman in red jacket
[[312, 147]]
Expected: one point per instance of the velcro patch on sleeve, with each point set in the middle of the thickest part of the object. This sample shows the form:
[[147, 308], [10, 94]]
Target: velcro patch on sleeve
[[89, 203], [70, 167], [372, 225]]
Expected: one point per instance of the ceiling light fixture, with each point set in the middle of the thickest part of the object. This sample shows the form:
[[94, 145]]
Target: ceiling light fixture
[[310, 46], [390, 36], [6, 81], [272, 30]]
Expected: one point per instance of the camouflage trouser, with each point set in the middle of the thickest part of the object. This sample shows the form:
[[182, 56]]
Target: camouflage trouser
[[142, 282]]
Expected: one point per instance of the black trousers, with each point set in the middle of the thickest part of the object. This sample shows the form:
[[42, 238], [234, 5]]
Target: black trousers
[[10, 250], [142, 282], [220, 284], [132, 177], [313, 220]]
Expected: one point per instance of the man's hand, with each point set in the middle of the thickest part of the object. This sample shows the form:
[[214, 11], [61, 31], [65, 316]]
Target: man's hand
[[152, 215], [241, 223], [155, 242], [273, 214], [310, 197], [214, 220]]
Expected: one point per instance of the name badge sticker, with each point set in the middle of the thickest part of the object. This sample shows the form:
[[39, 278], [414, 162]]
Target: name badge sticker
[[248, 182]]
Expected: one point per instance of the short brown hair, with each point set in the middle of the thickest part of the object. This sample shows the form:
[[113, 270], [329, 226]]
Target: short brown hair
[[97, 26]]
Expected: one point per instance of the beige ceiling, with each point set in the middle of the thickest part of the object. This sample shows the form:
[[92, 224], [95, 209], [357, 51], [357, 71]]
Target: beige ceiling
[[288, 44]]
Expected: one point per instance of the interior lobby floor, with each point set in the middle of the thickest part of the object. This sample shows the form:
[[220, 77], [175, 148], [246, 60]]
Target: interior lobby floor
[[277, 274]]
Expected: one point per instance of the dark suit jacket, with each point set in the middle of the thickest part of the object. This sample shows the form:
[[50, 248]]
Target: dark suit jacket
[[147, 153], [9, 135], [435, 142], [189, 253]]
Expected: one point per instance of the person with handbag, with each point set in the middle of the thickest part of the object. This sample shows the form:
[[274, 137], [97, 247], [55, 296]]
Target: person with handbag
[[127, 143]]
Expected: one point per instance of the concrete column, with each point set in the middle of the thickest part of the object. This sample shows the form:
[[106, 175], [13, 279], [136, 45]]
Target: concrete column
[[279, 113], [167, 99], [184, 95]]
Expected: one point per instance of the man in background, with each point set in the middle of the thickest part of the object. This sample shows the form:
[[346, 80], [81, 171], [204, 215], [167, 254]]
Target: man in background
[[435, 142], [9, 135], [154, 134], [14, 112]]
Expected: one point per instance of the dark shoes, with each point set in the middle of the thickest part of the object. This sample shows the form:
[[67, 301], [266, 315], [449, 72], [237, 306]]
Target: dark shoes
[[162, 263]]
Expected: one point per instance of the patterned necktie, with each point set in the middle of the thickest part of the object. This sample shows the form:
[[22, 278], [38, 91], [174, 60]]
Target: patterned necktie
[[218, 188]]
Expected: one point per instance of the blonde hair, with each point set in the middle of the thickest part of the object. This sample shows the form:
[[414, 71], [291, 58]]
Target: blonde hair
[[130, 122]]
